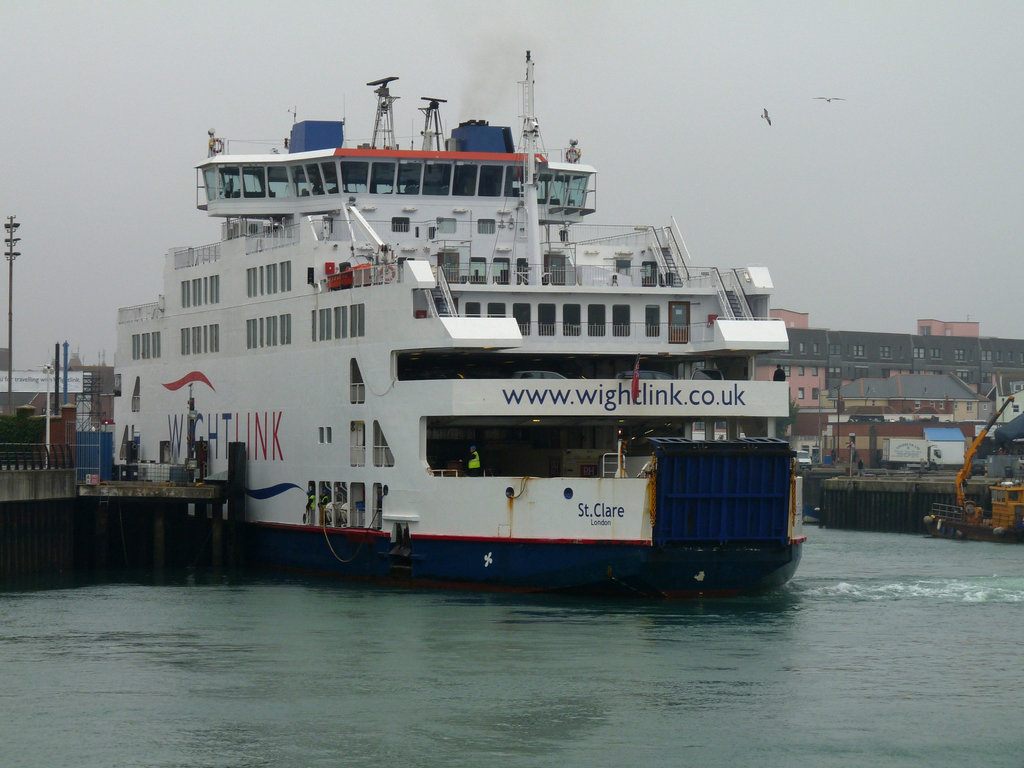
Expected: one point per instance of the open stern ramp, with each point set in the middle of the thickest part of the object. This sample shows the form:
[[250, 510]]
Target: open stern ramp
[[724, 492]]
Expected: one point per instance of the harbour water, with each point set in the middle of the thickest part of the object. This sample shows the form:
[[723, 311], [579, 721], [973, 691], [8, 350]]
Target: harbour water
[[886, 649]]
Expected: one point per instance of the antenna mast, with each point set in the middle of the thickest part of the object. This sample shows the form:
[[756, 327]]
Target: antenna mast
[[383, 124], [432, 124]]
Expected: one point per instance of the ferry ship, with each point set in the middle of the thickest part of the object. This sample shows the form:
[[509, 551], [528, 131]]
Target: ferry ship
[[444, 375]]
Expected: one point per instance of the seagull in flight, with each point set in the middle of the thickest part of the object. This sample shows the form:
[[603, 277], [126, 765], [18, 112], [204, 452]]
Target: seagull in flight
[[764, 115], [830, 98]]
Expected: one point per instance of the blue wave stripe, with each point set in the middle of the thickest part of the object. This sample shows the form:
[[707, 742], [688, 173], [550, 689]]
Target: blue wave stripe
[[271, 490]]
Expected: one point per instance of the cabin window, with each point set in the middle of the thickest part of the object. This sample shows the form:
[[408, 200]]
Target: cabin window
[[353, 175], [472, 309], [546, 320], [286, 328], [495, 309], [185, 294], [652, 319], [490, 181], [595, 319], [286, 276], [485, 226], [571, 320], [230, 183], [500, 267], [445, 226], [357, 320], [325, 325], [315, 180], [409, 178], [382, 179], [620, 319], [437, 178], [399, 223], [465, 180], [253, 181], [330, 173]]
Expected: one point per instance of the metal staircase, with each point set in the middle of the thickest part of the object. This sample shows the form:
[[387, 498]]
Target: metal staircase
[[441, 302]]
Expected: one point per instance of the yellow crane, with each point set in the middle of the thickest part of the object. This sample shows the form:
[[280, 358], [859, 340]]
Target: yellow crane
[[965, 471]]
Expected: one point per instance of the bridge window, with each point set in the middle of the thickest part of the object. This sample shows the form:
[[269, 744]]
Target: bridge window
[[353, 175], [514, 181], [302, 188], [230, 181], [576, 194], [465, 180], [330, 172], [253, 181], [558, 189], [277, 181], [437, 178], [210, 182], [409, 178], [490, 181], [543, 187], [382, 179], [315, 180]]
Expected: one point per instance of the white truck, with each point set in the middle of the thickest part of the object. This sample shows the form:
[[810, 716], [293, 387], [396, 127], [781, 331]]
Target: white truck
[[899, 452]]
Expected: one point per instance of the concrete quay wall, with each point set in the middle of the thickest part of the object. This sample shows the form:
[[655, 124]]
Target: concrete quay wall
[[890, 505]]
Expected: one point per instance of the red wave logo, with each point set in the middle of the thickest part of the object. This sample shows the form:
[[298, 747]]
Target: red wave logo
[[188, 378]]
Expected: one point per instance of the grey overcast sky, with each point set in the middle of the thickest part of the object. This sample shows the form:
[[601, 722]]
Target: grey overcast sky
[[904, 201]]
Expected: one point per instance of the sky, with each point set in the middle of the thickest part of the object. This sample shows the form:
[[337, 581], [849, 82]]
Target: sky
[[905, 200]]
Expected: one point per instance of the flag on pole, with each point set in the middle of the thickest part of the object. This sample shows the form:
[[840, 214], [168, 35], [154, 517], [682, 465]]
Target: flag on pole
[[636, 380]]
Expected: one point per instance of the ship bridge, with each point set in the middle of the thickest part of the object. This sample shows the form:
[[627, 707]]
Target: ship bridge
[[318, 175]]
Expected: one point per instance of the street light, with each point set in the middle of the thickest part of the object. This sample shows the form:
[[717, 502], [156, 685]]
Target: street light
[[48, 370], [11, 226]]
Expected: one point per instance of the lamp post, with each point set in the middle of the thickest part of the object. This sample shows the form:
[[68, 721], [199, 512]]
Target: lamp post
[[48, 370], [10, 240]]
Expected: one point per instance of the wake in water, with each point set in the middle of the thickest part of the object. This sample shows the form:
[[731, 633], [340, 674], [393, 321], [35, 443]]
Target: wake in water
[[994, 589]]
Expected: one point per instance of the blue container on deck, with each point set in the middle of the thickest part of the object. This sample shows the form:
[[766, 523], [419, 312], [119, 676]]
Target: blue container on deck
[[308, 135], [478, 136]]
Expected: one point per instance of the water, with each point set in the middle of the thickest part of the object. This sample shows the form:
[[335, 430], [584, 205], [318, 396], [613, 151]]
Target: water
[[886, 650]]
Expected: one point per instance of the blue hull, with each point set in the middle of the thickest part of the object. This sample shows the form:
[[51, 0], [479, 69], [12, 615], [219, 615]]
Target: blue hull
[[674, 570]]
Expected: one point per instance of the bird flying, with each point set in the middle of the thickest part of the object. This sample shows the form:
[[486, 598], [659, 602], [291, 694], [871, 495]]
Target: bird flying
[[764, 116], [830, 98]]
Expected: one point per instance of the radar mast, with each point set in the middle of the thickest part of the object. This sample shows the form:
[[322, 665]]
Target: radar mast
[[432, 123], [383, 124]]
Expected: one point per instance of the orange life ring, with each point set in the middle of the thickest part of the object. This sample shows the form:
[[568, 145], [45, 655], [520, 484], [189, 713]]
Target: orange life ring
[[572, 154], [389, 273], [217, 145]]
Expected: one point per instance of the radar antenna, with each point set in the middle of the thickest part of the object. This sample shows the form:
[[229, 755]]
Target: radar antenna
[[383, 124], [432, 124]]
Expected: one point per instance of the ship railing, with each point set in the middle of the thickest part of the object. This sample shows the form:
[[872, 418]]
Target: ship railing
[[948, 512], [140, 313], [185, 258], [269, 235]]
